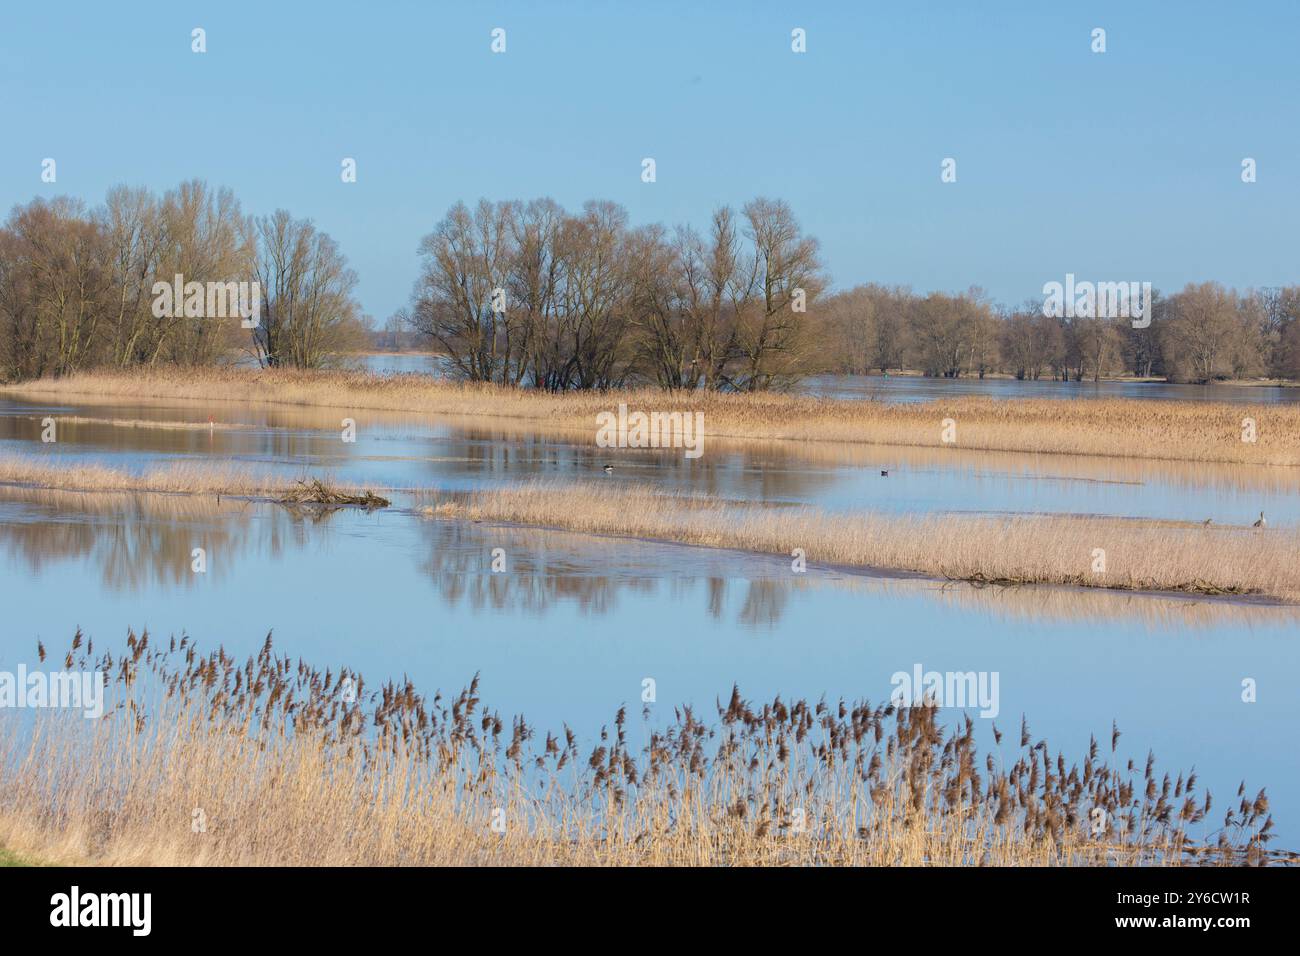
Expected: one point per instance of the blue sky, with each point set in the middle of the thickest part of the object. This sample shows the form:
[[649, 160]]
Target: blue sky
[[1122, 165]]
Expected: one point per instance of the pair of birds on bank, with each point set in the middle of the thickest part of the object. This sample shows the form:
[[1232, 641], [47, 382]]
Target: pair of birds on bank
[[1261, 523]]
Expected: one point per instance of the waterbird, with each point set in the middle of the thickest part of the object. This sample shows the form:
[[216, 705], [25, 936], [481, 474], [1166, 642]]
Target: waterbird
[[884, 473], [609, 469], [1261, 522], [1205, 523]]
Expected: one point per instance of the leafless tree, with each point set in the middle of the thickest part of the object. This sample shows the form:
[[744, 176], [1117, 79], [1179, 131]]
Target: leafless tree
[[308, 314]]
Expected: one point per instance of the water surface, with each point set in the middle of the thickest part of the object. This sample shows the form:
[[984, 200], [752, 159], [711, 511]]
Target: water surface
[[572, 628]]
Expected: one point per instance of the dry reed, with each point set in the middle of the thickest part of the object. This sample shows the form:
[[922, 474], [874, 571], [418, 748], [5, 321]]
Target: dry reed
[[1125, 428], [1138, 555], [206, 760], [182, 479]]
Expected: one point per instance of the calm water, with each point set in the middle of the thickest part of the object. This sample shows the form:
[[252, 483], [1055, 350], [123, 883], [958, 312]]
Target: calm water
[[575, 624], [911, 388]]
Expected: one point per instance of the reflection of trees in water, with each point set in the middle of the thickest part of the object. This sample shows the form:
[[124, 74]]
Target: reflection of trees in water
[[764, 602], [142, 540], [796, 470], [536, 577], [544, 568], [971, 462], [772, 471]]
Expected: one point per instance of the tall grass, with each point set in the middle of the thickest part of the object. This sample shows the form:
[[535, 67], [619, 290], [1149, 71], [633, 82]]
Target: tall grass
[[182, 478], [1126, 428], [1090, 552], [1116, 553], [207, 760]]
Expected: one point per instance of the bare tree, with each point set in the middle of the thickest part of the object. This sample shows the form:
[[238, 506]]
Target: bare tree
[[1201, 333], [308, 315], [771, 339], [718, 280]]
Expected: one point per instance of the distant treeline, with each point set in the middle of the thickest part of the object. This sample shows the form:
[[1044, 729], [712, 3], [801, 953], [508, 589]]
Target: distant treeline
[[529, 294], [1203, 333]]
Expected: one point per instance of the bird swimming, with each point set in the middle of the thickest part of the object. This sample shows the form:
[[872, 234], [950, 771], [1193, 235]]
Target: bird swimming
[[884, 473], [609, 469]]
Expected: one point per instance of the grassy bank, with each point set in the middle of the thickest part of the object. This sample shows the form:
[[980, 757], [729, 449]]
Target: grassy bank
[[1161, 430], [204, 759], [182, 479], [1139, 555]]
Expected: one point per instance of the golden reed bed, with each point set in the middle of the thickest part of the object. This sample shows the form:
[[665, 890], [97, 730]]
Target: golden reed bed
[[207, 760], [1091, 552], [1176, 431], [179, 478], [197, 478]]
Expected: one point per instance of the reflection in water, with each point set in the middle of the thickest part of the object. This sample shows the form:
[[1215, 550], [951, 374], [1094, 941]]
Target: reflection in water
[[545, 568], [141, 541], [975, 464], [1047, 605], [572, 627], [138, 541], [400, 450]]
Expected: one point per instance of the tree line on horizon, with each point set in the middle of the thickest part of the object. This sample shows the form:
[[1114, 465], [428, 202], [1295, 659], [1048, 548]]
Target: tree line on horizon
[[1203, 333], [525, 293]]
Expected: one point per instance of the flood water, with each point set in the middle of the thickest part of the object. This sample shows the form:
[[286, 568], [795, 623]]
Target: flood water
[[914, 388], [575, 624]]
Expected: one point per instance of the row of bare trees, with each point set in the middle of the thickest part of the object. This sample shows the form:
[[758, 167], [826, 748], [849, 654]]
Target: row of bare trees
[[525, 293], [529, 294], [1203, 333], [77, 285]]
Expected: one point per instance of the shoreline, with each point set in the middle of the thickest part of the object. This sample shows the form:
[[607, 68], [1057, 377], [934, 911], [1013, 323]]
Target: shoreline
[[1145, 429], [911, 373], [1246, 566], [1101, 553]]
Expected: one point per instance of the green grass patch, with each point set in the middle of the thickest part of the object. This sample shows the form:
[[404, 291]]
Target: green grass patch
[[11, 859]]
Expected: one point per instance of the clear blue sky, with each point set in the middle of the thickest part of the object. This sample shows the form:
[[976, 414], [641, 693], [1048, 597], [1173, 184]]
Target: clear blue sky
[[1122, 165]]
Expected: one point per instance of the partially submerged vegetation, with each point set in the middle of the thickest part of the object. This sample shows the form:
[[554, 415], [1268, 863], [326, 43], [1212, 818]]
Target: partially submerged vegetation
[[203, 759], [1123, 428], [183, 479], [317, 492], [1104, 552], [1090, 552], [150, 423]]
